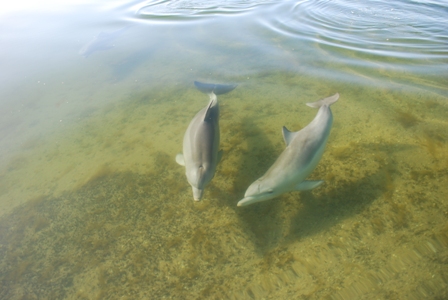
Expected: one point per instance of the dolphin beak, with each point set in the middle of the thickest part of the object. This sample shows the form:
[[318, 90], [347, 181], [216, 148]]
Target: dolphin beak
[[247, 200], [197, 193]]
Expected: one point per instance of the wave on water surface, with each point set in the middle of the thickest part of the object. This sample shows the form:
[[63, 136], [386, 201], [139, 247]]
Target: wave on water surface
[[184, 9], [401, 29]]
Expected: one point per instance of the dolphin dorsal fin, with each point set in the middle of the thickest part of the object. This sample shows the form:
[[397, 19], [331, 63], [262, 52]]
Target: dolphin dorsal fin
[[288, 136], [213, 102]]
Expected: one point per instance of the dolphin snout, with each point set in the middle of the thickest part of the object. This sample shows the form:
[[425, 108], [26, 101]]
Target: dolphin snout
[[247, 200], [197, 193]]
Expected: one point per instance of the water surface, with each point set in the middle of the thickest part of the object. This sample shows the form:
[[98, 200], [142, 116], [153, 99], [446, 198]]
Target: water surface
[[93, 205]]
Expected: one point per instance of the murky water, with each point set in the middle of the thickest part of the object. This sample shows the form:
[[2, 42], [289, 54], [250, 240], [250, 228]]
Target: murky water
[[93, 205]]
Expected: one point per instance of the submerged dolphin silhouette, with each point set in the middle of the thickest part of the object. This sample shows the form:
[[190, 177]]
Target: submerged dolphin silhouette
[[102, 42], [201, 141], [303, 152]]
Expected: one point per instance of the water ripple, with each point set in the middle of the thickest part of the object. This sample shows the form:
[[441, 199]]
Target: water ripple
[[191, 9], [400, 29]]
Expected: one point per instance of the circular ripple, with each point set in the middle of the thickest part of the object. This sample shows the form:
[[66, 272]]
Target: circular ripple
[[402, 29], [188, 9]]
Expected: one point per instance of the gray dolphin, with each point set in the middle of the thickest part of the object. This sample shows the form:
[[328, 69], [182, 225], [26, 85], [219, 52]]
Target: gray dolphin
[[101, 42], [201, 141], [303, 152]]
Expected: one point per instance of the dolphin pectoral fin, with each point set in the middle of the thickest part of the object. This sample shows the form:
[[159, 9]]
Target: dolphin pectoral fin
[[180, 159], [307, 185], [217, 89]]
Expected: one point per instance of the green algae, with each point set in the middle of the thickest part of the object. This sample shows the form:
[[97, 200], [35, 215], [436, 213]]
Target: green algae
[[102, 211], [128, 227]]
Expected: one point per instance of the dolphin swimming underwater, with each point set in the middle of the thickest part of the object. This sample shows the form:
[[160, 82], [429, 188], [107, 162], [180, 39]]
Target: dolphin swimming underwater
[[303, 152], [102, 42], [201, 141]]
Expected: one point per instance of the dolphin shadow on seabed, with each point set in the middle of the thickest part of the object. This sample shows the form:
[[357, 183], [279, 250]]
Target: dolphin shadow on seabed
[[325, 211], [263, 222]]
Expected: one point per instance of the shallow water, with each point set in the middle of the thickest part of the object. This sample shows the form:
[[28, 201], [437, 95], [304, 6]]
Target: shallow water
[[93, 205]]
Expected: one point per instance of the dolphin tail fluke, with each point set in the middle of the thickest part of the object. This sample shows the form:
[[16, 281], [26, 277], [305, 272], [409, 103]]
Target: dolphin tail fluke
[[217, 89], [326, 101]]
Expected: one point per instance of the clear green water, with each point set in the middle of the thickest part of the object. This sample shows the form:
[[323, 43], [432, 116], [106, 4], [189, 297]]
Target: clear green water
[[93, 205]]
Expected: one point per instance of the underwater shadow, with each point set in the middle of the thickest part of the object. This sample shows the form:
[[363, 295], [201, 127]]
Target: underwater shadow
[[325, 211], [262, 222], [126, 66], [388, 147]]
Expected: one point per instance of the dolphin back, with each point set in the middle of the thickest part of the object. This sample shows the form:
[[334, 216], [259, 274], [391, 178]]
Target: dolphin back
[[217, 89], [326, 101]]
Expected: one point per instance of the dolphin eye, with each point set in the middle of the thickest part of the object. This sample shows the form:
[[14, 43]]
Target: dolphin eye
[[270, 191]]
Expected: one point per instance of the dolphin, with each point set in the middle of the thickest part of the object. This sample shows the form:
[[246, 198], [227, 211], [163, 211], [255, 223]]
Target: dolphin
[[303, 151], [101, 42], [201, 141]]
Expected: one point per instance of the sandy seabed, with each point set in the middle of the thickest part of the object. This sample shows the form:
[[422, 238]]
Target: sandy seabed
[[102, 211]]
